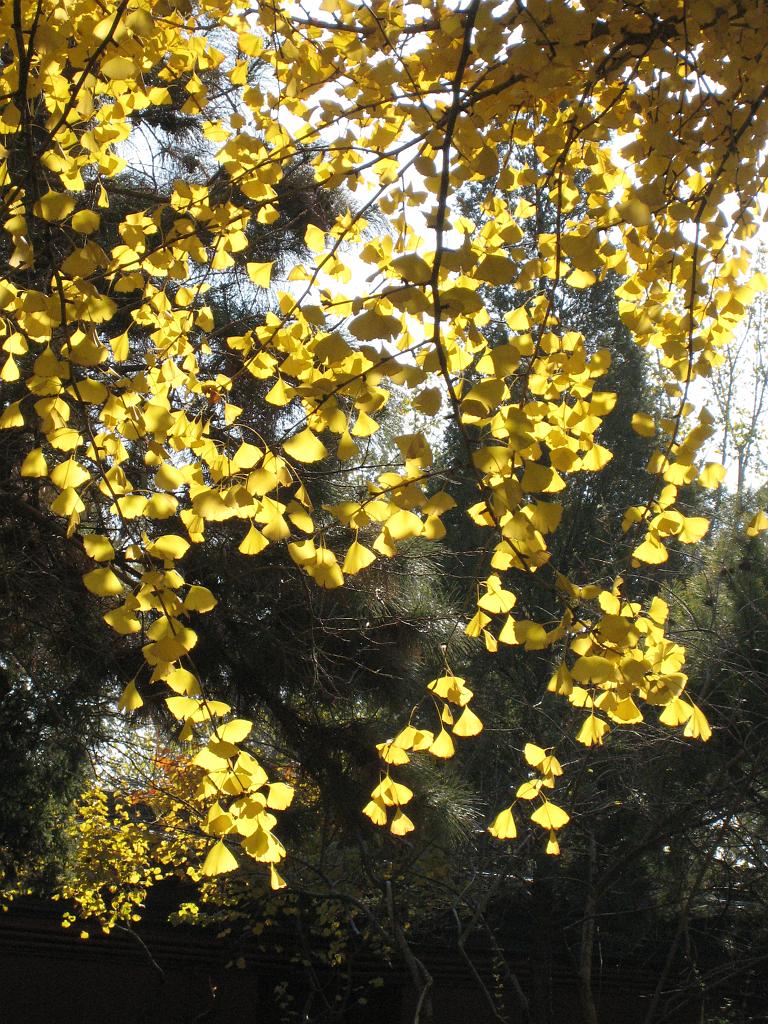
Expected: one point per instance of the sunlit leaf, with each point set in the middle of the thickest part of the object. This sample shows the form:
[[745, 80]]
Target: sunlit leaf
[[503, 826], [219, 860], [234, 731], [102, 582], [54, 206], [130, 698], [305, 447], [442, 745], [98, 547], [550, 816], [260, 273], [168, 547], [199, 599], [592, 731], [358, 557], [468, 724]]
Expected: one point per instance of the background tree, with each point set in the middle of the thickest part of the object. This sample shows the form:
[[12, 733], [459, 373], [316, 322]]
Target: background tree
[[738, 387]]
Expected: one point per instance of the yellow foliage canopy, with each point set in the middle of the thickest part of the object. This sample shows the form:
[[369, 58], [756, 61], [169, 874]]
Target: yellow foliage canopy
[[637, 159]]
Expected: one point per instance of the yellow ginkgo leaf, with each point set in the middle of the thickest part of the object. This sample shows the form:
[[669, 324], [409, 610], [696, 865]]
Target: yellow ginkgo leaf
[[210, 505], [219, 822], [34, 464], [86, 221], [544, 479], [347, 449], [442, 745], [130, 698], [279, 394], [218, 861], [635, 212], [161, 506], [234, 731], [643, 424], [503, 826], [401, 824], [625, 711], [411, 267], [553, 847], [498, 269], [172, 645], [593, 668], [209, 760], [169, 477], [758, 524], [122, 620], [533, 755], [651, 551], [168, 547], [326, 571], [181, 680], [697, 727], [428, 401], [10, 371], [303, 552], [305, 447], [508, 632], [404, 524], [373, 326], [580, 279], [578, 696], [390, 753], [279, 796], [376, 811], [102, 582], [518, 319], [54, 206], [260, 273], [199, 599], [314, 238], [693, 529], [677, 712], [253, 542], [182, 707], [658, 610], [414, 739], [120, 346], [468, 724], [276, 881], [596, 458], [452, 688], [365, 426], [357, 558], [12, 417], [550, 816], [391, 793], [477, 624], [550, 766], [69, 474], [246, 457], [119, 69], [592, 731], [712, 475], [496, 600], [98, 547]]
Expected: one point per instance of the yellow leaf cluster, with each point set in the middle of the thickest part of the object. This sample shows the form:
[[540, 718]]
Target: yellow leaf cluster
[[616, 142]]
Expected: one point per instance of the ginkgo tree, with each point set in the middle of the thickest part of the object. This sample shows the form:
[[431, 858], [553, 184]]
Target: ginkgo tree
[[648, 127]]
